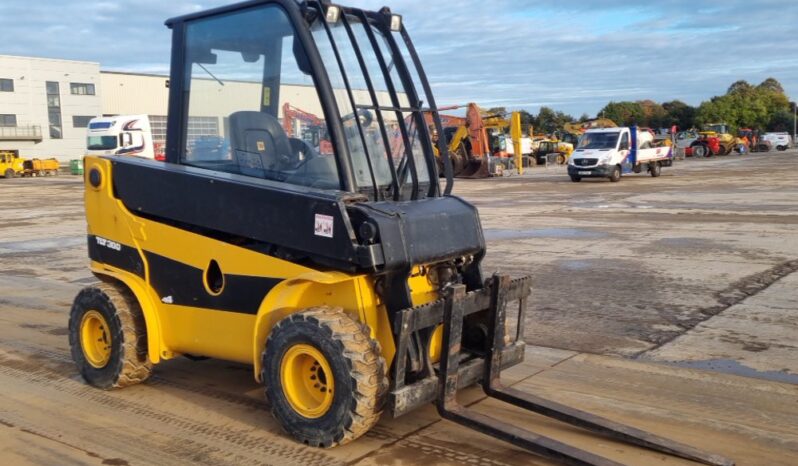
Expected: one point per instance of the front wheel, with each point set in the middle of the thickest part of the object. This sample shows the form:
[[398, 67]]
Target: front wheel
[[9, 173], [324, 376], [615, 176], [576, 179], [108, 337]]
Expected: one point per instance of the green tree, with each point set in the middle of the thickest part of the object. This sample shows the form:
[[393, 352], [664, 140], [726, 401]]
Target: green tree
[[759, 107], [740, 87], [679, 114], [624, 113], [549, 121], [772, 85]]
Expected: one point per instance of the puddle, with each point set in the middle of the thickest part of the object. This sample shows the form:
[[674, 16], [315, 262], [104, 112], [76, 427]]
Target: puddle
[[730, 366], [574, 264], [492, 234], [42, 244]]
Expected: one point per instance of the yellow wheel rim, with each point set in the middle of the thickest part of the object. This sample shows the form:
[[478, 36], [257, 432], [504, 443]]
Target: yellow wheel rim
[[307, 380], [95, 339], [436, 344]]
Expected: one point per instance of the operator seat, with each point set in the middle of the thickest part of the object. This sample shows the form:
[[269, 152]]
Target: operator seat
[[258, 143]]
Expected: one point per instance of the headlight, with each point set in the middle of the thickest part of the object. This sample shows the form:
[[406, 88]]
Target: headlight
[[605, 160], [571, 161]]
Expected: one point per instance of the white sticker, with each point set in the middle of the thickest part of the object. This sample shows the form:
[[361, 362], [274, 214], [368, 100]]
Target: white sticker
[[324, 226]]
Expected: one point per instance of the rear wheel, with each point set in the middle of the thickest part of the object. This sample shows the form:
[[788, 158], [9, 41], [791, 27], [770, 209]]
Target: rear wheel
[[701, 150], [615, 176], [325, 377], [9, 173], [655, 169], [108, 337], [560, 159]]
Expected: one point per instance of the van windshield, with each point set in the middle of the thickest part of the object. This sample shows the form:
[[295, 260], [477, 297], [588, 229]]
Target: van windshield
[[598, 141]]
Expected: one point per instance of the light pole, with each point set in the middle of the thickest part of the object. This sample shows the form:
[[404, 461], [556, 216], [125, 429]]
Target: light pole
[[795, 124]]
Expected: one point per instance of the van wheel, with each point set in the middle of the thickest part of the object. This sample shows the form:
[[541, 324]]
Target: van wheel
[[108, 337], [655, 169], [9, 173], [325, 376], [576, 179], [615, 176]]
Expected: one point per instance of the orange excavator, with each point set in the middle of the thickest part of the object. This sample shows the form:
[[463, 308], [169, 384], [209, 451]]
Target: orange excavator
[[469, 141], [313, 129]]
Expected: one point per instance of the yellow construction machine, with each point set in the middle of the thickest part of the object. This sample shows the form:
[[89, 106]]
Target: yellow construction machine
[[11, 164], [351, 282]]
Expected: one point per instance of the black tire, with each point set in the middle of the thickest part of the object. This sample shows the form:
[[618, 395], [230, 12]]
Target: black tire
[[781, 148], [576, 179], [128, 363], [655, 169], [358, 369], [615, 176], [9, 173], [701, 150]]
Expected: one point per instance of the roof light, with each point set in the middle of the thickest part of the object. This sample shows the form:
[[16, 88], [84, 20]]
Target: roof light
[[396, 23], [333, 14]]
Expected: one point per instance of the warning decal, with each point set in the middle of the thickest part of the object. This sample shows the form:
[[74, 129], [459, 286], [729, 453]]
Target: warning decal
[[323, 226]]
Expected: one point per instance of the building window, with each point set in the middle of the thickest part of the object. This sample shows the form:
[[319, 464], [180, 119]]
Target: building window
[[81, 88], [54, 110], [79, 121], [8, 120], [158, 127], [6, 85]]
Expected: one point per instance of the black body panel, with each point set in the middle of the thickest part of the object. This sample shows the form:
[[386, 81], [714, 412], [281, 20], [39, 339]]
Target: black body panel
[[181, 284], [280, 215], [115, 254]]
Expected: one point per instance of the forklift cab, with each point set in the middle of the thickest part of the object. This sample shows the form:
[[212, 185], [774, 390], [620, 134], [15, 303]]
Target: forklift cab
[[351, 69]]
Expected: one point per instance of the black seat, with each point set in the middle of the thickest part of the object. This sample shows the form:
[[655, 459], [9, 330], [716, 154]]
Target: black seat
[[258, 143]]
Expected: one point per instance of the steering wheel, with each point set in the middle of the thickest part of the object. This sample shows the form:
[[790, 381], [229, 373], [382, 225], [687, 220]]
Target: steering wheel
[[301, 153], [366, 117]]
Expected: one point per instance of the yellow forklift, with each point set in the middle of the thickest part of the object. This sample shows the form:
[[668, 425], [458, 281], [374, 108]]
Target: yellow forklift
[[351, 282]]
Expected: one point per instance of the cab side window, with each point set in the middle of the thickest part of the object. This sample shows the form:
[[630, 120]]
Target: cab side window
[[624, 145]]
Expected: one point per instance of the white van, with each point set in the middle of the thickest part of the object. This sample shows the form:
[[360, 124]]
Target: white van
[[611, 152], [780, 140]]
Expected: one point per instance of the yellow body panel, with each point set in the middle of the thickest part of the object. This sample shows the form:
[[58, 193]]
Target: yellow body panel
[[173, 329]]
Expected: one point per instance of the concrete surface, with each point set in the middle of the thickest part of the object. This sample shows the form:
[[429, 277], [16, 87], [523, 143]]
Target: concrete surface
[[696, 268]]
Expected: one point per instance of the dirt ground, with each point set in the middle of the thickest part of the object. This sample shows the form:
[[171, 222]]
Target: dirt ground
[[695, 269]]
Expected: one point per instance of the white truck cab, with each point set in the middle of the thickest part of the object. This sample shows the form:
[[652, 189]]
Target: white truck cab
[[120, 135], [611, 152]]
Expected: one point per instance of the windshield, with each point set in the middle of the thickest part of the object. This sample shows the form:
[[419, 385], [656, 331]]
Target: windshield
[[598, 141], [366, 68], [101, 142]]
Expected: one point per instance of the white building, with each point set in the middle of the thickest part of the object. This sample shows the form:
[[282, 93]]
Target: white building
[[46, 104]]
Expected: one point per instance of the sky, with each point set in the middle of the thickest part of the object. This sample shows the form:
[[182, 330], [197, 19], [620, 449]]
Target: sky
[[570, 55]]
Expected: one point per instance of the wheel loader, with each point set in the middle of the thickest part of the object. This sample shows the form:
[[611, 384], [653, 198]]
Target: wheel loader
[[351, 282]]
